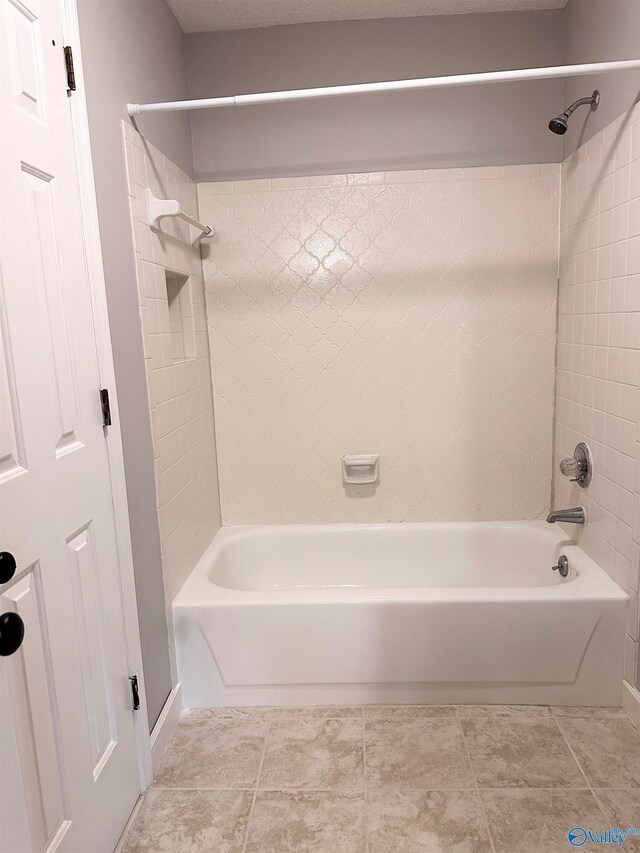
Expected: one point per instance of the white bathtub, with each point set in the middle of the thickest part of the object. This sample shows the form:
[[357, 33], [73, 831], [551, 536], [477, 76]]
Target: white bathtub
[[459, 612]]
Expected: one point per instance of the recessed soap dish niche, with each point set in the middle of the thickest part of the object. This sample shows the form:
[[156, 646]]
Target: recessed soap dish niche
[[181, 320]]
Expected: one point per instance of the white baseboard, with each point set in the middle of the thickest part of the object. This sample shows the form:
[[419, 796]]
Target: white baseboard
[[166, 723], [631, 702]]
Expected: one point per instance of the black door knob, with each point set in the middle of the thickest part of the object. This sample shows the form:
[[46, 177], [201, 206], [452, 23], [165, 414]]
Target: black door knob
[[11, 633], [7, 566]]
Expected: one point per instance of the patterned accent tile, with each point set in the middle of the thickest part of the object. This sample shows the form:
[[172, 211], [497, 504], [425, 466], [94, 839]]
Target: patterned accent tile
[[384, 317]]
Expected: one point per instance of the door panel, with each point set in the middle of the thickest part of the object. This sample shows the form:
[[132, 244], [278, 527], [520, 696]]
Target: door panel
[[23, 43], [87, 597], [43, 215], [29, 679], [65, 692], [11, 439]]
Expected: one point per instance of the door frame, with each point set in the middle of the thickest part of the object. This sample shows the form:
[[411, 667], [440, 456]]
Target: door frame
[[98, 297]]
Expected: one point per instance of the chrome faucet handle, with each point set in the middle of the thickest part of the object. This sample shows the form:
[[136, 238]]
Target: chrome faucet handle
[[578, 467], [570, 467]]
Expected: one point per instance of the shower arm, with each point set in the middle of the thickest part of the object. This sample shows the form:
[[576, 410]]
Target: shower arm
[[581, 102], [393, 86]]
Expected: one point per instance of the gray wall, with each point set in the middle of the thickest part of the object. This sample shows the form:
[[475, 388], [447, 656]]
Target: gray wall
[[133, 50], [597, 31], [503, 123]]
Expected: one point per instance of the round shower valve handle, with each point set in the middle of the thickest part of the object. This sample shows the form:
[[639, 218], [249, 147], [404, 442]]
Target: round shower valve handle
[[570, 467], [579, 467]]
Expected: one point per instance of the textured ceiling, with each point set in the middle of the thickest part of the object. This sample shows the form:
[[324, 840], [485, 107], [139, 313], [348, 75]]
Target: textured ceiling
[[200, 15]]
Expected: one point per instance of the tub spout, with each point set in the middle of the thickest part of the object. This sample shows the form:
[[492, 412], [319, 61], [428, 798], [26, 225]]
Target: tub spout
[[575, 515]]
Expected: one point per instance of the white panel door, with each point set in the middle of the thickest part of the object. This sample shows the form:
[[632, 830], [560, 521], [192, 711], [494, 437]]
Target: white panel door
[[68, 767]]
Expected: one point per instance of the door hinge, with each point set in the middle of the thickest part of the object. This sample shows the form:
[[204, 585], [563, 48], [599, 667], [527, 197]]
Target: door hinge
[[68, 62], [105, 406], [135, 695]]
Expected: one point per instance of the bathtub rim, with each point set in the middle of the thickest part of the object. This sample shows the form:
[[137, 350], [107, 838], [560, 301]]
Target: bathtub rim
[[590, 582]]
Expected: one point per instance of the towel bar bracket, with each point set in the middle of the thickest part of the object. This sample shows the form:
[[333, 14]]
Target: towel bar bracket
[[157, 208]]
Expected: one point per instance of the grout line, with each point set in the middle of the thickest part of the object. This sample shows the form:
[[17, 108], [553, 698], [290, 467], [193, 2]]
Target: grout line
[[315, 789], [440, 788], [199, 788], [255, 792], [408, 788], [582, 771], [525, 715], [510, 788], [365, 821], [475, 781]]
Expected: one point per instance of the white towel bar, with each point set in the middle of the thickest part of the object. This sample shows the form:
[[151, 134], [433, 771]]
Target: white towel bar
[[159, 207]]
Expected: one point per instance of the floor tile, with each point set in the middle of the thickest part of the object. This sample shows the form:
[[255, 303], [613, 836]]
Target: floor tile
[[190, 822], [533, 821], [307, 822], [609, 750], [420, 785], [426, 822], [319, 712], [213, 714], [622, 809], [503, 711], [314, 755], [404, 712], [208, 751], [416, 754], [574, 711], [521, 752]]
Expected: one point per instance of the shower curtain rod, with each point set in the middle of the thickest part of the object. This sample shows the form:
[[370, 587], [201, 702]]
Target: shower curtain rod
[[392, 86]]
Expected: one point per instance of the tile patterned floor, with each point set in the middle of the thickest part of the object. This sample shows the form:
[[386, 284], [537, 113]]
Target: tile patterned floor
[[391, 779]]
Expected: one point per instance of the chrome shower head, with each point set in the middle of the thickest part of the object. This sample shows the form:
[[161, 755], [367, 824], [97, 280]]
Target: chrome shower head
[[560, 124]]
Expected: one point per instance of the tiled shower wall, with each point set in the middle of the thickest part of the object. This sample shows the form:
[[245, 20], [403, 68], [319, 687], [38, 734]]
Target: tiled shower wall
[[410, 314], [177, 362], [599, 351]]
